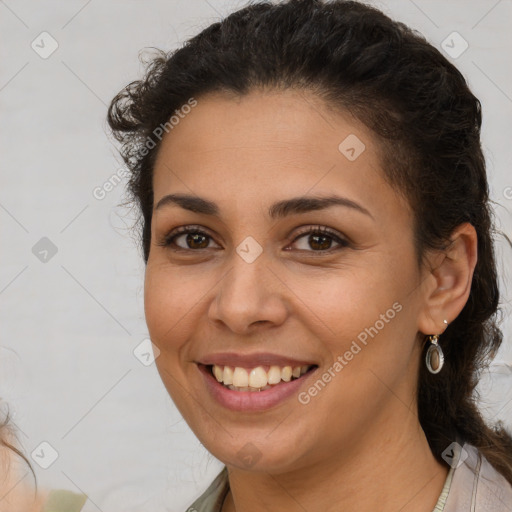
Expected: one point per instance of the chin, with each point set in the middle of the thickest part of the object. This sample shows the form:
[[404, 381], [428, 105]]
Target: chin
[[258, 456]]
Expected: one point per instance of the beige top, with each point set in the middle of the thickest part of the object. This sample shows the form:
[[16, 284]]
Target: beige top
[[472, 485], [61, 500]]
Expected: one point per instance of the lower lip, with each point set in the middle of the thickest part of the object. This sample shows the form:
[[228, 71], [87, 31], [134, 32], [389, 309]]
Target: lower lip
[[252, 400]]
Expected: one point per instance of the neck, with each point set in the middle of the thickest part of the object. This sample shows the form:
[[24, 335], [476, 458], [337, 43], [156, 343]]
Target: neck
[[385, 471]]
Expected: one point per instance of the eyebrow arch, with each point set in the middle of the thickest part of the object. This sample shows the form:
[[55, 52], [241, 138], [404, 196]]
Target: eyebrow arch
[[277, 210]]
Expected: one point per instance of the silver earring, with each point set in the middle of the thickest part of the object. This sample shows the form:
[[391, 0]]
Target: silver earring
[[435, 356]]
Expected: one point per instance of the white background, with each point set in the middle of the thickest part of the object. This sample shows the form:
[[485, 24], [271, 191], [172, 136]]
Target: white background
[[69, 326]]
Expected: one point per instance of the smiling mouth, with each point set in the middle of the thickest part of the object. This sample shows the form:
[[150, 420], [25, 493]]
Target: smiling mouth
[[259, 378]]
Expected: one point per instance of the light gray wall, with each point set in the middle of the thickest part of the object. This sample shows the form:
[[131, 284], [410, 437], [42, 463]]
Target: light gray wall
[[70, 325]]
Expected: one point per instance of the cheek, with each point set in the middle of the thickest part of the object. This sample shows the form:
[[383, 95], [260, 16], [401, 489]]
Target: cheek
[[366, 313], [346, 298], [167, 306], [167, 301]]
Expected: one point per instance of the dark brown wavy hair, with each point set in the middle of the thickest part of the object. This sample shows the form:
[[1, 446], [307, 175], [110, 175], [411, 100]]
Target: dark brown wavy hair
[[416, 103]]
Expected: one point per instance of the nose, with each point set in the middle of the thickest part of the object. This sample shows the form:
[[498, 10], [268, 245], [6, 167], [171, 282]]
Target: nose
[[249, 294]]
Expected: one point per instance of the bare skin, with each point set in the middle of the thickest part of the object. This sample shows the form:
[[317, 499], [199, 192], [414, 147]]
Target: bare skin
[[357, 444], [16, 482]]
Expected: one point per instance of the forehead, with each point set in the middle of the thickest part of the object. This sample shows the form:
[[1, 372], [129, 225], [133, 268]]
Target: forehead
[[270, 144]]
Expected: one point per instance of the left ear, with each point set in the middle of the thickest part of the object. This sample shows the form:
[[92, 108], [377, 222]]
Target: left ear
[[448, 281]]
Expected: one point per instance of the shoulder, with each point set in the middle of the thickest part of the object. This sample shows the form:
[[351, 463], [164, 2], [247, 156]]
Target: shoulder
[[212, 499], [476, 485]]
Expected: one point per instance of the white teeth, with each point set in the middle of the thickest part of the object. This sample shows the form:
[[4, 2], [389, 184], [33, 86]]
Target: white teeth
[[286, 373], [240, 377], [218, 373], [256, 379], [227, 376], [274, 375]]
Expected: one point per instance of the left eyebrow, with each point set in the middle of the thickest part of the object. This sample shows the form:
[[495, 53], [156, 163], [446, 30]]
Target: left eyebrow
[[304, 204], [279, 209]]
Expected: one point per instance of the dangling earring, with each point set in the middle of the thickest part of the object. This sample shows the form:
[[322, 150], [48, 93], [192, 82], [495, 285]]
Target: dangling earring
[[435, 356]]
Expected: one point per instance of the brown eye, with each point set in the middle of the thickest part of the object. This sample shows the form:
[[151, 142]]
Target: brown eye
[[194, 239], [320, 239]]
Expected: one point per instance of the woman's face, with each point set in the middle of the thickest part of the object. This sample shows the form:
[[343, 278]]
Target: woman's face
[[254, 289]]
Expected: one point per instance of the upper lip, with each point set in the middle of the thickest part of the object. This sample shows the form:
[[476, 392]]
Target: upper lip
[[251, 360]]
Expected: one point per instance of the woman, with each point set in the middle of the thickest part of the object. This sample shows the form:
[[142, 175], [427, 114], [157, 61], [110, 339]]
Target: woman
[[320, 276]]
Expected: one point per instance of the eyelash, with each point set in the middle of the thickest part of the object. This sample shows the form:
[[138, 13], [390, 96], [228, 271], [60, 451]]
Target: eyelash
[[168, 240]]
